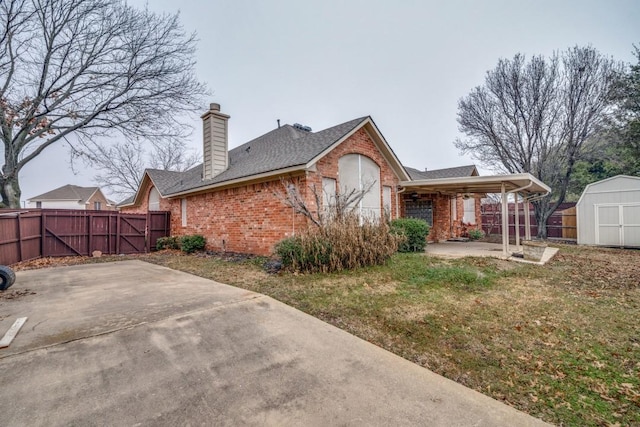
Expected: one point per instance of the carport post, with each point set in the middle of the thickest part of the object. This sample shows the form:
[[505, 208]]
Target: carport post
[[505, 222], [527, 220], [517, 218]]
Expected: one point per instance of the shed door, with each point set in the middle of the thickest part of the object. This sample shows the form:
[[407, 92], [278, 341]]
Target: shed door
[[630, 225], [618, 225]]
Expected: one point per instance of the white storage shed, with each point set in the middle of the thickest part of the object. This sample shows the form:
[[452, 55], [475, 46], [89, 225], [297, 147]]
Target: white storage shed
[[608, 212]]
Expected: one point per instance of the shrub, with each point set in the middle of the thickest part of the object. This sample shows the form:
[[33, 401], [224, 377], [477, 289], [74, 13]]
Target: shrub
[[476, 234], [192, 243], [289, 250], [169, 242], [340, 244], [414, 232]]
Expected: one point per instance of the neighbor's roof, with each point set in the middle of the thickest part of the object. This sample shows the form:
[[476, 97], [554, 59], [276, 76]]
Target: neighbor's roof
[[68, 192], [282, 150], [459, 171]]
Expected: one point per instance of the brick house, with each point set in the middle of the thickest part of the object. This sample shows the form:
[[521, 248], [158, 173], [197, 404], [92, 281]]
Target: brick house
[[231, 198], [72, 197]]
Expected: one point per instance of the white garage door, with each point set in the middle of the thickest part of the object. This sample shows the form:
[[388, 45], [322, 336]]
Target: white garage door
[[618, 225]]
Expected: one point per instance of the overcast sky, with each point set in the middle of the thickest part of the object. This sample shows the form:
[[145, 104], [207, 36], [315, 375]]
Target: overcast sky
[[405, 63]]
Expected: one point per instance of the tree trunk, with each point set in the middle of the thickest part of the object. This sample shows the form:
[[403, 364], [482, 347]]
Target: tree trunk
[[542, 214], [10, 191]]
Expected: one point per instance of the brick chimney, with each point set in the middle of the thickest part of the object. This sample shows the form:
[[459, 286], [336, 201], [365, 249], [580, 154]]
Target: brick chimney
[[215, 141]]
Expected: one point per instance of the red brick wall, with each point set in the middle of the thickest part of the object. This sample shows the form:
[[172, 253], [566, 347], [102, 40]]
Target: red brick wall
[[247, 219], [251, 218], [443, 228]]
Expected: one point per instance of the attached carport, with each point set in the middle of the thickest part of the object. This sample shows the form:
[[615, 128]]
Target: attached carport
[[523, 186]]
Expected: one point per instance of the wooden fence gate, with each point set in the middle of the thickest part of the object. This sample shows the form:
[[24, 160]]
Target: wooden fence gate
[[30, 234]]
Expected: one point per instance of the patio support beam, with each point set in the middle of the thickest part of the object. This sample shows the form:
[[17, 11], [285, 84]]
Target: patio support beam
[[527, 220], [505, 222], [517, 219]]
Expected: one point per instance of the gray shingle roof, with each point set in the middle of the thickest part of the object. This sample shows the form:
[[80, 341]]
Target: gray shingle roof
[[456, 172], [67, 192], [129, 200], [164, 180], [281, 148]]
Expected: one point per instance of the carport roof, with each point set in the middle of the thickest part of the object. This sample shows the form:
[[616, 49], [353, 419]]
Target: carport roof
[[524, 183]]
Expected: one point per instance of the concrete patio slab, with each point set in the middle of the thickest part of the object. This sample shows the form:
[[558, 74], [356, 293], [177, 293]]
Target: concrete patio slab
[[130, 343], [460, 249]]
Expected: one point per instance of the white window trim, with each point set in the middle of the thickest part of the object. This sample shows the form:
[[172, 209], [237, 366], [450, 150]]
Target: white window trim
[[471, 201], [183, 211]]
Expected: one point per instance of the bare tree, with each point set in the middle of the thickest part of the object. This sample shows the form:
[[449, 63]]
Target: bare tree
[[536, 116], [340, 203], [81, 70], [120, 166]]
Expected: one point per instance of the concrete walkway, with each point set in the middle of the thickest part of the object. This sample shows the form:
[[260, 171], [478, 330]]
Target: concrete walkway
[[130, 343], [481, 249]]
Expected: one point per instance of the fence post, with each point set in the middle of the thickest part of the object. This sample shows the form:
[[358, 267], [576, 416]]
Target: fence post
[[19, 233], [118, 221], [43, 228], [147, 233], [90, 237]]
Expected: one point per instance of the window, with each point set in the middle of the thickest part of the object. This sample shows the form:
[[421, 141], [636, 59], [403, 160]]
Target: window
[[183, 208], [359, 173], [386, 201], [38, 205], [328, 193], [469, 211], [154, 200], [421, 209], [97, 206]]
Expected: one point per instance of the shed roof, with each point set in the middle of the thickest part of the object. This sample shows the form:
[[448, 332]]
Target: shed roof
[[618, 183]]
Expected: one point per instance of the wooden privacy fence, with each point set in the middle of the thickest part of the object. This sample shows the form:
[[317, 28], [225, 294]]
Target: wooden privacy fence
[[560, 225], [33, 233]]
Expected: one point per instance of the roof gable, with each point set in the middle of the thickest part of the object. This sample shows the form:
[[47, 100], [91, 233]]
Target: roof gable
[[282, 150], [68, 192], [614, 183], [278, 151], [379, 141]]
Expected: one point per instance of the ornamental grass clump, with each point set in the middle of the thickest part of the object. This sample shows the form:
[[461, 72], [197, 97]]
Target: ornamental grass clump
[[342, 243]]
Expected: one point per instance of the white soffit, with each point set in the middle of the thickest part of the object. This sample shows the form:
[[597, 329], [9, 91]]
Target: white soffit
[[480, 184]]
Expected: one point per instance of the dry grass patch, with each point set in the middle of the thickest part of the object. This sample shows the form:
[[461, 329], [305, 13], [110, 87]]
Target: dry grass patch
[[561, 342]]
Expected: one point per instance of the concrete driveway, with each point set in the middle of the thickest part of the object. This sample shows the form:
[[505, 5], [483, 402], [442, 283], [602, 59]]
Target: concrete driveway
[[130, 343]]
